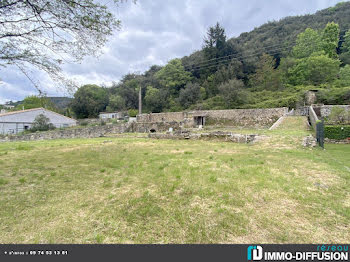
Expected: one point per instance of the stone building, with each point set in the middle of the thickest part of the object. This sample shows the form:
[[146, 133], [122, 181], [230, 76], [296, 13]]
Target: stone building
[[18, 121]]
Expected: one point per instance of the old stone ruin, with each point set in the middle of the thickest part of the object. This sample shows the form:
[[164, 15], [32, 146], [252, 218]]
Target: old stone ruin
[[175, 125]]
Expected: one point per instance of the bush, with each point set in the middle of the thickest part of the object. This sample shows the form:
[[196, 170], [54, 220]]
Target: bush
[[133, 112], [334, 96], [338, 132], [42, 123], [339, 115]]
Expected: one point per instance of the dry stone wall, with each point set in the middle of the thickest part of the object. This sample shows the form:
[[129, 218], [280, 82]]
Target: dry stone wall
[[236, 117], [244, 117], [86, 132]]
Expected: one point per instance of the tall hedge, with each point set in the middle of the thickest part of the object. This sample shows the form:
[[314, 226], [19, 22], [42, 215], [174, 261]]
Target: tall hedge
[[337, 132]]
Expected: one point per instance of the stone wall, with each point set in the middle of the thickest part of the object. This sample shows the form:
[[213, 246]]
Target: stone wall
[[244, 117], [301, 111], [222, 136], [161, 117], [86, 132], [154, 127], [94, 131], [235, 117], [325, 110]]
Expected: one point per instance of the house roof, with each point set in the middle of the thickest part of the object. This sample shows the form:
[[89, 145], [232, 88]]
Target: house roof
[[21, 111], [34, 109], [112, 112]]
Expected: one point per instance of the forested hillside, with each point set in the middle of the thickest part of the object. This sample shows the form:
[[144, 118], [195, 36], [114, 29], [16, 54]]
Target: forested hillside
[[271, 66]]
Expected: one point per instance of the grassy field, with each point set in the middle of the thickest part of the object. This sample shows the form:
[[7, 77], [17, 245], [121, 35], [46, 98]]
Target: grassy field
[[137, 190]]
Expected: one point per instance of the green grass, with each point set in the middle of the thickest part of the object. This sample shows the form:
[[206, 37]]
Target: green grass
[[137, 190]]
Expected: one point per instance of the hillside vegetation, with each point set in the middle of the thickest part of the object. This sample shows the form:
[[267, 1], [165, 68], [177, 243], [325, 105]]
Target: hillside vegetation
[[271, 66]]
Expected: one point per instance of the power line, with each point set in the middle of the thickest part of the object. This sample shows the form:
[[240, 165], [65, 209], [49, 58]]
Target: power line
[[208, 64], [278, 50], [228, 56]]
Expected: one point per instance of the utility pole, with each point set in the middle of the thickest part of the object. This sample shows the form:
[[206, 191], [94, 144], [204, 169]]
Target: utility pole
[[140, 100]]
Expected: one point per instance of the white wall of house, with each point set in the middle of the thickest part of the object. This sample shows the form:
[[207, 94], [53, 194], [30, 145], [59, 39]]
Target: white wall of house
[[108, 115], [114, 115], [18, 121]]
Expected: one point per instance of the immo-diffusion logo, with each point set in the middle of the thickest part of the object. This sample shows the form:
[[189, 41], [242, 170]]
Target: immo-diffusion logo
[[323, 253], [255, 253]]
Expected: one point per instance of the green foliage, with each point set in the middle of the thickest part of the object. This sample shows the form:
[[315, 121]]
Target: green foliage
[[133, 112], [116, 103], [314, 70], [41, 123], [344, 76], [338, 132], [191, 94], [330, 39], [173, 75], [35, 102], [334, 96], [279, 78], [155, 99], [345, 47], [89, 101], [338, 115], [307, 43], [266, 76], [233, 93], [213, 103]]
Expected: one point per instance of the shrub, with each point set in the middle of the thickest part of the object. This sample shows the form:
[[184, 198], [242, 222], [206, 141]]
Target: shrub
[[338, 115], [337, 132], [132, 112], [42, 123]]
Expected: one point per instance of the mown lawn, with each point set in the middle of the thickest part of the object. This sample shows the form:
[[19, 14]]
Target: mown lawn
[[137, 190]]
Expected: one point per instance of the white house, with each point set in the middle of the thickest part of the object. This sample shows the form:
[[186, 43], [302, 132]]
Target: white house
[[113, 115], [18, 121]]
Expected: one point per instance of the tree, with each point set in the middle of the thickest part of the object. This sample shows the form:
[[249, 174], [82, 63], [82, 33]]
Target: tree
[[44, 34], [266, 76], [173, 75], [345, 49], [330, 39], [214, 42], [41, 123], [344, 76], [307, 43], [215, 46], [338, 115], [155, 99], [89, 101], [35, 102], [116, 103], [232, 93], [314, 70], [190, 95]]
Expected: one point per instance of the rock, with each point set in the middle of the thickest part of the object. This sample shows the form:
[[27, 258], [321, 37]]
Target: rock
[[309, 141]]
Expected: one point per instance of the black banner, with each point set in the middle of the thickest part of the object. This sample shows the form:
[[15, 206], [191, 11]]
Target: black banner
[[236, 253]]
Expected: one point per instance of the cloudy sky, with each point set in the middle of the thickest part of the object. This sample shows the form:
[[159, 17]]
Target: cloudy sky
[[156, 31]]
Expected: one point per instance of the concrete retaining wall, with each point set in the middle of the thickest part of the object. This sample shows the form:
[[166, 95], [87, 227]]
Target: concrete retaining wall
[[312, 117]]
